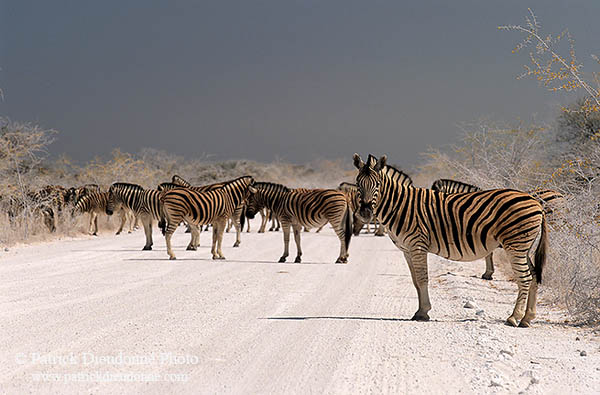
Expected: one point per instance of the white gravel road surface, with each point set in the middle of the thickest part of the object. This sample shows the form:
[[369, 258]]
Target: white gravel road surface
[[98, 315]]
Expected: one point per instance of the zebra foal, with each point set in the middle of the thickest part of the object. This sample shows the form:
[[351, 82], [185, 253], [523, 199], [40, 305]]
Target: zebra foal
[[460, 227]]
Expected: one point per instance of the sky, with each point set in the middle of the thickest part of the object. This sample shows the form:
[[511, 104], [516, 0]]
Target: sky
[[264, 80]]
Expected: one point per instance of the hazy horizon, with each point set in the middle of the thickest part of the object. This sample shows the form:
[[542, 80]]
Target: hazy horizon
[[265, 80]]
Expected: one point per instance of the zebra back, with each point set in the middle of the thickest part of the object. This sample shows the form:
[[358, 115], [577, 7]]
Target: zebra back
[[93, 201], [446, 185], [135, 198], [204, 206]]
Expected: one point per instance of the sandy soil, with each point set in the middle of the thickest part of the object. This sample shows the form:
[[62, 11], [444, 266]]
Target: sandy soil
[[99, 309]]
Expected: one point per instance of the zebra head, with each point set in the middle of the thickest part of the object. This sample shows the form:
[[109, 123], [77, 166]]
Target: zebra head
[[368, 183], [113, 200], [253, 202]]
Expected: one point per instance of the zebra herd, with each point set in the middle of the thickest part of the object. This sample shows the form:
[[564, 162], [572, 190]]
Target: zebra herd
[[453, 220]]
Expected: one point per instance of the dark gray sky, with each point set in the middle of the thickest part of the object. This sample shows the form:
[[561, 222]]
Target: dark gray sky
[[296, 80]]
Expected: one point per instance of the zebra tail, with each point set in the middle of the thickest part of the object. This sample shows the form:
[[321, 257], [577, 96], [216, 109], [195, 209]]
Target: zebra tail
[[162, 222], [541, 251], [242, 218], [347, 227]]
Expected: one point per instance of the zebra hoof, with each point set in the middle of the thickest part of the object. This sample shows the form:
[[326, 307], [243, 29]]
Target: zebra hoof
[[487, 276], [524, 324], [511, 321], [172, 258], [420, 317], [118, 233], [236, 244], [282, 259], [298, 260], [147, 248], [191, 248], [95, 234]]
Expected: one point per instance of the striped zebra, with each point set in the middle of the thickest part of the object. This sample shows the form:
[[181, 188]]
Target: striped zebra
[[237, 218], [95, 203], [212, 206], [549, 199], [309, 209], [47, 202], [144, 203], [460, 227]]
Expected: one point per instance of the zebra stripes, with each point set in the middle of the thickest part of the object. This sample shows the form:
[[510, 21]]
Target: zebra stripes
[[549, 199], [212, 206], [145, 204], [310, 209], [451, 186], [237, 218], [95, 203], [461, 227]]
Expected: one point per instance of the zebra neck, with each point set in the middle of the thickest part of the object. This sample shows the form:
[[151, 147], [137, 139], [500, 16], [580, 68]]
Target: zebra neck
[[272, 200], [391, 193]]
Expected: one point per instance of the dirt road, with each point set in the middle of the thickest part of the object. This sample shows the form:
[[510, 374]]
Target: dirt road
[[98, 315]]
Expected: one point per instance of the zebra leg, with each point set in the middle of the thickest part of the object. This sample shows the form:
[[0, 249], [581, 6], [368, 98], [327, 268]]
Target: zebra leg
[[306, 229], [263, 222], [489, 267], [218, 230], [379, 231], [91, 224], [95, 224], [171, 225], [238, 231], [229, 223], [286, 241], [417, 263], [147, 223], [524, 279], [297, 229], [195, 239], [123, 218], [530, 312]]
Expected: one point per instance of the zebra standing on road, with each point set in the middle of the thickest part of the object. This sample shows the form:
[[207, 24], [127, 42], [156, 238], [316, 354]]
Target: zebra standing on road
[[549, 199], [309, 209], [199, 208], [95, 203], [237, 218], [144, 203], [461, 227]]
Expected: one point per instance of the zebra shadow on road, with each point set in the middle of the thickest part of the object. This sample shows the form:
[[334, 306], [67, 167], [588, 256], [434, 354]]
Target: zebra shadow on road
[[362, 318]]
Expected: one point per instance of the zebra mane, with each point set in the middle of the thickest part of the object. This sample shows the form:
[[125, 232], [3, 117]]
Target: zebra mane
[[271, 185], [397, 175], [390, 171], [180, 181], [127, 185], [448, 185]]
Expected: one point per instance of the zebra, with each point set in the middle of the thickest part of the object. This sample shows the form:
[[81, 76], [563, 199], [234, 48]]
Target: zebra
[[95, 203], [547, 197], [237, 218], [144, 203], [310, 209], [48, 202], [461, 227], [212, 206]]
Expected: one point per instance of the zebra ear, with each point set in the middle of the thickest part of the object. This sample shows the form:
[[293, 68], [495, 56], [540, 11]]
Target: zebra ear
[[358, 162], [252, 189], [380, 163]]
